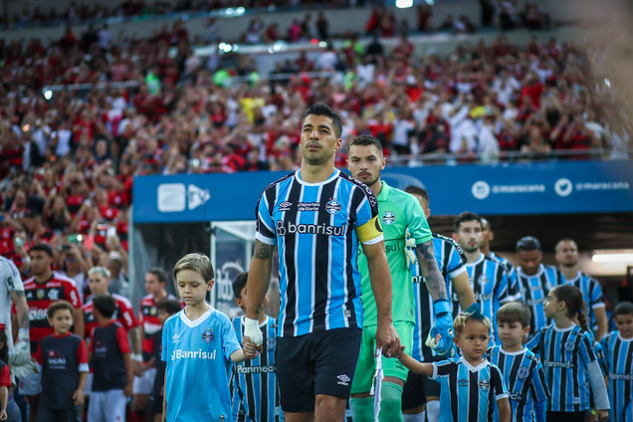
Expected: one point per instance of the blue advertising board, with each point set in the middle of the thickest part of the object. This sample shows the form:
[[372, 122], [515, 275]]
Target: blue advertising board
[[509, 188]]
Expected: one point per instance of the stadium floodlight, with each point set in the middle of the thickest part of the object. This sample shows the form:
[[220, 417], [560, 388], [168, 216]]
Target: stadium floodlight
[[607, 82], [404, 4], [625, 255], [48, 94], [322, 44], [224, 47]]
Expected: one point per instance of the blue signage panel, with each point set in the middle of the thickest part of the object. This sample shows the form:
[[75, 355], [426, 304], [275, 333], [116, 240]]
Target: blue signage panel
[[523, 188]]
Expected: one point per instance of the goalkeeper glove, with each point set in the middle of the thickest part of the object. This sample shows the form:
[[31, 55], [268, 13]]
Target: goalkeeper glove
[[409, 250], [443, 326]]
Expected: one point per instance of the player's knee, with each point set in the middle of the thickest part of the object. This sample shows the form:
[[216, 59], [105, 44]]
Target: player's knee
[[328, 407], [391, 402]]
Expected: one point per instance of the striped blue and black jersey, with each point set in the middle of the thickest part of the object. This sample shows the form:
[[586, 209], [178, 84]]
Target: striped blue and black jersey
[[525, 379], [254, 382], [492, 287], [316, 227], [592, 294], [534, 290], [470, 392], [566, 355], [619, 355], [451, 262]]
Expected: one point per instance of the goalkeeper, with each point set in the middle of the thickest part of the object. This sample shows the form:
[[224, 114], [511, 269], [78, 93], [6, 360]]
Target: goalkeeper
[[12, 289], [398, 211]]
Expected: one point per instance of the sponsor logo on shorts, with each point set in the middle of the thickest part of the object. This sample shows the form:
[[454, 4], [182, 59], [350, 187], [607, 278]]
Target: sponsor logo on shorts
[[241, 369], [343, 379]]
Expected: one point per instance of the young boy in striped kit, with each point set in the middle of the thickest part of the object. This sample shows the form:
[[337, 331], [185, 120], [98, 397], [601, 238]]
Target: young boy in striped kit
[[522, 370], [471, 387], [254, 382], [618, 348]]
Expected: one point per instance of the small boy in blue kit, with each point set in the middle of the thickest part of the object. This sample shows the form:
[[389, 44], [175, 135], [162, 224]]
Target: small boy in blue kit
[[199, 343], [523, 372], [472, 389]]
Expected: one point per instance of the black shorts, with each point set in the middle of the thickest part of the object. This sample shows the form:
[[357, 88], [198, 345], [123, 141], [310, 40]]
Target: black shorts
[[418, 388], [318, 363]]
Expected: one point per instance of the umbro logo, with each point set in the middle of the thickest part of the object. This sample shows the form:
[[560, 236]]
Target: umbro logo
[[285, 206], [463, 382], [343, 379], [176, 338]]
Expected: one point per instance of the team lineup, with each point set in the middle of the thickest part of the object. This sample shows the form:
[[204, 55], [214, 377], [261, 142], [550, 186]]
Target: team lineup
[[380, 319]]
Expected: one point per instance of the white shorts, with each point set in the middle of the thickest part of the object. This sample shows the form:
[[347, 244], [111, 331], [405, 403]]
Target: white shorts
[[106, 406], [145, 383], [31, 385]]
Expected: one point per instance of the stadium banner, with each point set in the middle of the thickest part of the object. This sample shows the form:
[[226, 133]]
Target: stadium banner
[[500, 189]]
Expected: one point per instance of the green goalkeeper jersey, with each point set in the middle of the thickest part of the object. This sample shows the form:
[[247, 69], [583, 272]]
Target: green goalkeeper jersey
[[397, 211]]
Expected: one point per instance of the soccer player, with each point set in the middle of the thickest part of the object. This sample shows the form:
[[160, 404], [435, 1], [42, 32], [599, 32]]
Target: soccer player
[[399, 214], [254, 382], [567, 259], [63, 362], [198, 344], [487, 236], [571, 367], [534, 280], [452, 263], [12, 290], [471, 387], [316, 215], [488, 277], [618, 348], [41, 290], [155, 280], [523, 372]]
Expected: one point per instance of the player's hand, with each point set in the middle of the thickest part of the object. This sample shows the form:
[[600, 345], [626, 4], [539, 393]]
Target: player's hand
[[78, 397], [137, 368], [3, 415], [253, 334], [127, 391], [387, 339], [441, 335], [23, 371], [22, 351], [602, 415], [409, 250]]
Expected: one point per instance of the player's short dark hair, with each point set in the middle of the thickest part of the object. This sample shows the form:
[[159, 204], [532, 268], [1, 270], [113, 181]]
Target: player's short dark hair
[[464, 217], [367, 141], [416, 190], [528, 243], [564, 239], [43, 247], [160, 274], [623, 308], [105, 304], [319, 109], [514, 312], [171, 306], [239, 283], [59, 305], [197, 262]]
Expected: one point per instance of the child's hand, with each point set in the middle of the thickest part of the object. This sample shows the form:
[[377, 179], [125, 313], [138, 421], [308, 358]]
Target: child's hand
[[78, 397], [250, 350], [602, 415], [127, 391], [399, 353], [3, 415]]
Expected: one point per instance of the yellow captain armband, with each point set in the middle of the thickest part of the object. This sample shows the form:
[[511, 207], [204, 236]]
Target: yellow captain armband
[[370, 232]]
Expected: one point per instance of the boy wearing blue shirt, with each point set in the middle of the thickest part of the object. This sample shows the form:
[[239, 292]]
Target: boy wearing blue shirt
[[522, 370], [199, 343]]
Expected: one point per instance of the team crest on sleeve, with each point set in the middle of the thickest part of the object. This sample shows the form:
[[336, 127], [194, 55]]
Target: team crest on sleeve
[[523, 373], [207, 335], [333, 206], [271, 342], [388, 218]]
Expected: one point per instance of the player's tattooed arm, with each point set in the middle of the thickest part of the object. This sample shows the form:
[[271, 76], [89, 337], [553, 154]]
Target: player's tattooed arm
[[431, 272], [22, 307], [262, 250]]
